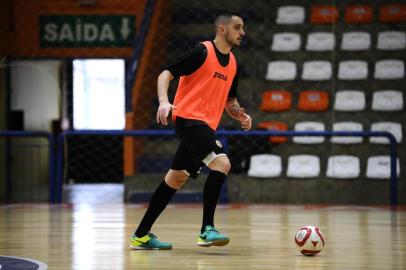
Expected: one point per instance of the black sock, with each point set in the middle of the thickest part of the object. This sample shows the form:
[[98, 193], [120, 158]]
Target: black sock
[[211, 194], [159, 200]]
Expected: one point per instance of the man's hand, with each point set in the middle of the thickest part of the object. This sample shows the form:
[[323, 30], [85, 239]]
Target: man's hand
[[235, 111], [163, 113], [162, 90], [245, 119]]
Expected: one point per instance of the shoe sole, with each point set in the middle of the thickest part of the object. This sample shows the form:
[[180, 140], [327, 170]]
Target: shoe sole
[[143, 248], [217, 243]]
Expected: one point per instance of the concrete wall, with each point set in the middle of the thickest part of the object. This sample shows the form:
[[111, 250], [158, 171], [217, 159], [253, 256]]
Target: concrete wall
[[2, 127], [244, 189], [35, 89]]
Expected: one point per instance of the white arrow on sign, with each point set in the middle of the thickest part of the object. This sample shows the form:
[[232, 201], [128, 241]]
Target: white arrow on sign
[[125, 28]]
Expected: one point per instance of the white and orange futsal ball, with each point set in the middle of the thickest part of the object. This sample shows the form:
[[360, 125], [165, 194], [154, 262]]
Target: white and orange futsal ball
[[309, 240]]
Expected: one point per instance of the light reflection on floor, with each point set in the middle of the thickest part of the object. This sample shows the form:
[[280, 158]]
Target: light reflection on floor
[[94, 193]]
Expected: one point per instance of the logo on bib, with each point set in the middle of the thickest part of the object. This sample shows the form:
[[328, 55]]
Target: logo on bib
[[220, 76]]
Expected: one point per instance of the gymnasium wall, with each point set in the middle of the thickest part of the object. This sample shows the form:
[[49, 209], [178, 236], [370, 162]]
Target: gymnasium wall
[[2, 127], [36, 33], [180, 25], [4, 30], [34, 37]]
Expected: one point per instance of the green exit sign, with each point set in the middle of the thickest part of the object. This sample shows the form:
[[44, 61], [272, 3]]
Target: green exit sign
[[67, 31]]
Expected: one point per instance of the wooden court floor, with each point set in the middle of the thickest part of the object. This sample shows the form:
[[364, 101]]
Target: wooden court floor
[[90, 237]]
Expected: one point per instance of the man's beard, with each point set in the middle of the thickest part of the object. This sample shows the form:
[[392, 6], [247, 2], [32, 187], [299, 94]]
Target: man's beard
[[232, 43]]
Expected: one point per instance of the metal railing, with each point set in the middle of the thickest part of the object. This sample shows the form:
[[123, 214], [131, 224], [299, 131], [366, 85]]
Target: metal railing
[[223, 134]]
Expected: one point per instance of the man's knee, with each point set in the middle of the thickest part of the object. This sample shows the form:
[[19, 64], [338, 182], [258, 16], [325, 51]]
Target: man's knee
[[176, 179], [221, 164]]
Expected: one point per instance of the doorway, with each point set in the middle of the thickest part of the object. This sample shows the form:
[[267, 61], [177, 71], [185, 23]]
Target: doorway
[[98, 103]]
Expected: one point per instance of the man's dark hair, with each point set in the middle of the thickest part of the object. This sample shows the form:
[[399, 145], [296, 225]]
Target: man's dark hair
[[223, 16]]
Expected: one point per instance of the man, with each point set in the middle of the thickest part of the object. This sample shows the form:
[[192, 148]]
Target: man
[[208, 85]]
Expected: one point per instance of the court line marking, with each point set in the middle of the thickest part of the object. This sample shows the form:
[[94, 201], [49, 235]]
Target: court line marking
[[41, 265]]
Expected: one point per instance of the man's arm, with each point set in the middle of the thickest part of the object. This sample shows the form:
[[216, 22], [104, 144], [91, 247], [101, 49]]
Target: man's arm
[[185, 65], [164, 106], [234, 109]]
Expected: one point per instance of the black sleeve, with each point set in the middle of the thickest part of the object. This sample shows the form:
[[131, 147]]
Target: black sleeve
[[234, 85], [189, 62]]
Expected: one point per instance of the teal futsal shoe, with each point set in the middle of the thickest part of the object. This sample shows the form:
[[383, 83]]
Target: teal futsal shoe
[[211, 237], [148, 241]]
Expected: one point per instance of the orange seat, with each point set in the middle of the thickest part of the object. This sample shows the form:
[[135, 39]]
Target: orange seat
[[393, 13], [321, 14], [275, 126], [313, 101], [358, 14], [276, 101]]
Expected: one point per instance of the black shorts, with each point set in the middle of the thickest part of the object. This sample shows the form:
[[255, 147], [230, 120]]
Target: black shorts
[[198, 146]]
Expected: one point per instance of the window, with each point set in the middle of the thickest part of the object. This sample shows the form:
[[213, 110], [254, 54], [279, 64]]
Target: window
[[98, 94]]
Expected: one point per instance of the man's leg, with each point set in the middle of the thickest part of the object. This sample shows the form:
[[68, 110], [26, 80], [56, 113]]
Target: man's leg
[[209, 236], [204, 148], [160, 198], [219, 167]]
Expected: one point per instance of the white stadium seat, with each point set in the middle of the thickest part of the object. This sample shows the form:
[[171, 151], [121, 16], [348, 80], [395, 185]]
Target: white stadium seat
[[286, 42], [389, 69], [281, 71], [349, 101], [343, 166], [391, 127], [353, 70], [303, 166], [391, 40], [387, 100], [378, 167], [265, 165], [309, 126], [290, 15], [317, 70], [320, 41], [347, 126], [356, 41]]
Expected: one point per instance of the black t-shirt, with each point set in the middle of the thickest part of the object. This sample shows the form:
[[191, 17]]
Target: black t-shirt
[[194, 58]]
